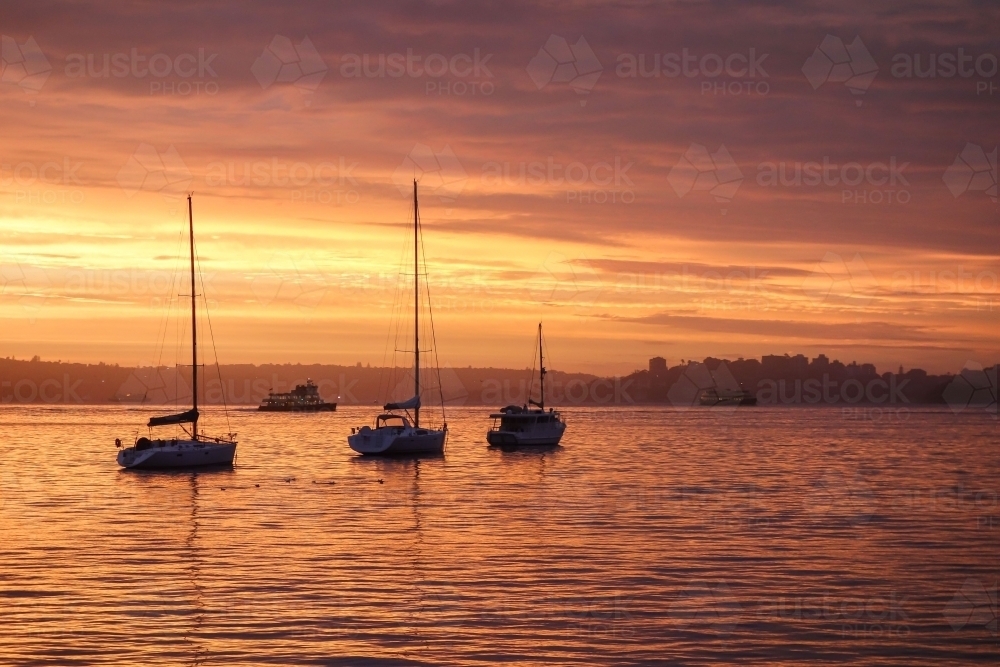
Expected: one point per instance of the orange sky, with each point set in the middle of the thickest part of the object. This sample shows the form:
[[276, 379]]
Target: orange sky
[[546, 193]]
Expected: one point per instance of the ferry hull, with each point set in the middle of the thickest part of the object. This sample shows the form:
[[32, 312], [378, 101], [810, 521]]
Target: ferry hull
[[728, 400], [324, 407]]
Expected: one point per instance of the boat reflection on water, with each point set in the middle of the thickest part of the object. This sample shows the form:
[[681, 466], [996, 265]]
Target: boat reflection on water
[[194, 576], [183, 610], [426, 588], [513, 448]]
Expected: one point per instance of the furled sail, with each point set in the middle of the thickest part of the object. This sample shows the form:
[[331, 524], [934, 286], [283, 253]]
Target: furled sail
[[188, 417], [411, 404]]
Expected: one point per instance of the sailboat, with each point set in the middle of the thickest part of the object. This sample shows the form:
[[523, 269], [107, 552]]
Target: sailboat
[[197, 449], [395, 434], [524, 425]]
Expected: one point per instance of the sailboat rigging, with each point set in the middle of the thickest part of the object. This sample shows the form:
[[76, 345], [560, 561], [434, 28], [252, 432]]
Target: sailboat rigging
[[517, 425], [198, 450], [394, 434]]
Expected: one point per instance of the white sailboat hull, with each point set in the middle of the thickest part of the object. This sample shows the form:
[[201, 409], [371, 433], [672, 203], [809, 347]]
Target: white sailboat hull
[[161, 454], [395, 441]]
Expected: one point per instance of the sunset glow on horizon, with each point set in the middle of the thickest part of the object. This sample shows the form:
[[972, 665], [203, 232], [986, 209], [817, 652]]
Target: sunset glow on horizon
[[638, 212], [575, 332]]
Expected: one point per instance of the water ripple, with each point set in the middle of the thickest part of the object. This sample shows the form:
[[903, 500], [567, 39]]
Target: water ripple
[[651, 536]]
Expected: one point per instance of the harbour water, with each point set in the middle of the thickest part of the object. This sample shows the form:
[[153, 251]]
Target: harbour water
[[652, 536]]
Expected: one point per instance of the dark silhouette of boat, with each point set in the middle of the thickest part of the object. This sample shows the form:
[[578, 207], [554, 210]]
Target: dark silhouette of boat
[[196, 449], [395, 434], [716, 396], [515, 426], [304, 398]]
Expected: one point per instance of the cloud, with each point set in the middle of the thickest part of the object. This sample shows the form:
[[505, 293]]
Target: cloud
[[257, 115], [789, 328]]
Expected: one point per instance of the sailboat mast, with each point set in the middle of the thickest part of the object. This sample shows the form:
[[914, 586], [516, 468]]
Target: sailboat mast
[[194, 327], [541, 374], [416, 310]]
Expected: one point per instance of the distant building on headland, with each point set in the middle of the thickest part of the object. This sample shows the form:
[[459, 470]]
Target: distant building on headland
[[793, 379], [784, 365], [823, 380]]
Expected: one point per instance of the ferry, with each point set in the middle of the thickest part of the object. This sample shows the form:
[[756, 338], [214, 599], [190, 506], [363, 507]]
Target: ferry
[[304, 398], [715, 396]]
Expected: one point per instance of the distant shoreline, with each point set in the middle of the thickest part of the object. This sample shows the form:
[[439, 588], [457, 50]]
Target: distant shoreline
[[772, 380]]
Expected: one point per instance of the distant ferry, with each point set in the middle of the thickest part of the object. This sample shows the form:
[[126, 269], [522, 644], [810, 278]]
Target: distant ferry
[[727, 397], [304, 398]]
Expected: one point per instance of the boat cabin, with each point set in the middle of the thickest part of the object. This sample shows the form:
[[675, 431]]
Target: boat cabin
[[391, 421], [517, 419]]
